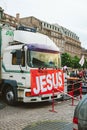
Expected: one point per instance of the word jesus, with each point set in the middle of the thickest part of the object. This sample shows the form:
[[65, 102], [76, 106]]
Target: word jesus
[[47, 82]]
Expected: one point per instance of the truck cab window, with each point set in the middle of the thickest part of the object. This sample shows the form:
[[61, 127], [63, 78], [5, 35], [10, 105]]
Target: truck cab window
[[18, 57]]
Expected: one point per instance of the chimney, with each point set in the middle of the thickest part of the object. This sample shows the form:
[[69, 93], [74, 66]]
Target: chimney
[[18, 17]]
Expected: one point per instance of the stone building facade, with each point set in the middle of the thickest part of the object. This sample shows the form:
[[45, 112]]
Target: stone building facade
[[65, 39], [8, 19]]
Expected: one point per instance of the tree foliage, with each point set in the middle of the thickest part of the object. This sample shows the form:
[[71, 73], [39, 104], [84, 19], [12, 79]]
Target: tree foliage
[[66, 59], [73, 62]]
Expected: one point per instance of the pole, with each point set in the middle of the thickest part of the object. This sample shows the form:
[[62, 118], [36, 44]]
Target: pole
[[53, 102]]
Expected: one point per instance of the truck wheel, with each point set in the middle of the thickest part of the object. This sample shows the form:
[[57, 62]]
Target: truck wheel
[[9, 96]]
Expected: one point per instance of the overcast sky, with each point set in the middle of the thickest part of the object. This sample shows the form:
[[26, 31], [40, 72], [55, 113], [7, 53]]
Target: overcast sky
[[71, 14]]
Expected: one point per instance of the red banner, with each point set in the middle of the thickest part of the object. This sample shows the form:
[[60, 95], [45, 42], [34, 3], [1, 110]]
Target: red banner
[[46, 81]]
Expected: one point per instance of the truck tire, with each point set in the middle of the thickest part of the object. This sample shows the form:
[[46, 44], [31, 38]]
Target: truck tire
[[9, 96]]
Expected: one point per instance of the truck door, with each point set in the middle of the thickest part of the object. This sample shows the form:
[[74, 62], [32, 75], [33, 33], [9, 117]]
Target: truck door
[[18, 62]]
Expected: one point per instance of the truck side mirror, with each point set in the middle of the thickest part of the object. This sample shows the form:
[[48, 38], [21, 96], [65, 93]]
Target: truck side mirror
[[18, 57]]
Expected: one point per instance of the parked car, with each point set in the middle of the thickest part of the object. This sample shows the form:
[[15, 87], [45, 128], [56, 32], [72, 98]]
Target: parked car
[[80, 115]]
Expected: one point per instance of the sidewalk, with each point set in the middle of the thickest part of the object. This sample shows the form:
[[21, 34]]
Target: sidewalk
[[37, 116], [59, 123], [50, 125]]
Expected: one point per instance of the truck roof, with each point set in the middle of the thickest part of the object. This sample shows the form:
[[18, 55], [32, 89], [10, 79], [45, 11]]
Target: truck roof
[[35, 38]]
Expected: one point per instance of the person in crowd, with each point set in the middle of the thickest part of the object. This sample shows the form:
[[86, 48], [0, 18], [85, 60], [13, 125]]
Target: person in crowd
[[81, 74], [66, 76], [72, 74]]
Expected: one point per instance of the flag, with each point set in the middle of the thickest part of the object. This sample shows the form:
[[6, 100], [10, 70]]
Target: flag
[[81, 62]]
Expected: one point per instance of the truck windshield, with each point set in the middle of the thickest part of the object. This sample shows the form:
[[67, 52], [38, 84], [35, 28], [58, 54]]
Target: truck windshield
[[43, 59]]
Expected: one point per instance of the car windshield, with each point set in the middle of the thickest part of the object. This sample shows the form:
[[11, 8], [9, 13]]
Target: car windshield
[[37, 59]]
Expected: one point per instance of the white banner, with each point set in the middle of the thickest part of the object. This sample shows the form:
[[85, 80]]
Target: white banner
[[81, 62]]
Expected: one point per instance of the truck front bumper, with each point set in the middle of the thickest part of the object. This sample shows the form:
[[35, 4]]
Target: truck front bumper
[[39, 98]]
